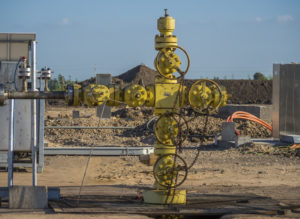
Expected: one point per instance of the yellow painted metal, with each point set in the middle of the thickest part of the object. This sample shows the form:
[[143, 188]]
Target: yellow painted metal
[[95, 95], [225, 96], [166, 172], [161, 149], [150, 101], [201, 96], [135, 95], [116, 95], [167, 63], [174, 196], [162, 42], [166, 130], [77, 94], [167, 96], [206, 95], [166, 26]]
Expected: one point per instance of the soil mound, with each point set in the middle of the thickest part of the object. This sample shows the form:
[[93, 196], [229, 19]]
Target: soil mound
[[133, 113], [92, 80], [87, 82], [140, 72], [132, 76], [245, 91]]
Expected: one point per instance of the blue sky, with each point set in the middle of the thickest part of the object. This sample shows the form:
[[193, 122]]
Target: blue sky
[[232, 38]]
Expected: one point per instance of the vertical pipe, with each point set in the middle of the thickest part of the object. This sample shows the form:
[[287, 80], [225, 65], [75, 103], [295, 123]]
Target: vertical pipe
[[276, 101], [11, 143], [33, 115]]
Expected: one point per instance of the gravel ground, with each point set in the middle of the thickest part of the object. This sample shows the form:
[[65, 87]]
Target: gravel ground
[[140, 136]]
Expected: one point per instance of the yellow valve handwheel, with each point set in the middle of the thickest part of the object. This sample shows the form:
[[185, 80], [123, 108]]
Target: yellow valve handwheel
[[171, 129], [172, 59], [170, 170], [205, 96]]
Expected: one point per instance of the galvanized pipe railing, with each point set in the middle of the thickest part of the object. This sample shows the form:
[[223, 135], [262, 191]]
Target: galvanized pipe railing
[[89, 127]]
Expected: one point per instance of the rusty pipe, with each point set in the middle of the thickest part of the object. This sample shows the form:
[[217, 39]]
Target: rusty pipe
[[35, 95]]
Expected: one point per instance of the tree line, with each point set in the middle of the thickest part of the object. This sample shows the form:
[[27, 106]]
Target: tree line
[[60, 83]]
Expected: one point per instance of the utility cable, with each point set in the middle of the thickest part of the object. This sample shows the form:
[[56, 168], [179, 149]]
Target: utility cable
[[247, 116], [88, 161]]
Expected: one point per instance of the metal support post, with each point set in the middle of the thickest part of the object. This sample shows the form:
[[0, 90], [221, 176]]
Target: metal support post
[[11, 143], [34, 115]]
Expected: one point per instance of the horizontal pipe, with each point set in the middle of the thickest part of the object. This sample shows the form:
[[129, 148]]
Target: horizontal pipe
[[107, 150], [89, 127], [36, 95], [100, 151]]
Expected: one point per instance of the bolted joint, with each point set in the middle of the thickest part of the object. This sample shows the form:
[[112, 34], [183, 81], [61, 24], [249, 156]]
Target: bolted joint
[[135, 95], [95, 95], [73, 94], [206, 96]]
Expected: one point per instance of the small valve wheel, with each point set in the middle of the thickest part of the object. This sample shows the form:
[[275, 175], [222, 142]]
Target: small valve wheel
[[205, 96], [170, 170], [167, 62], [171, 129]]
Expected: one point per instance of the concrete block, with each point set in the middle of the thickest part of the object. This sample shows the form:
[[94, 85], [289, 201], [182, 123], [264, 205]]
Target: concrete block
[[293, 139], [228, 131], [3, 192], [242, 139], [75, 114], [53, 193], [28, 197], [263, 112], [103, 112], [222, 143], [237, 142]]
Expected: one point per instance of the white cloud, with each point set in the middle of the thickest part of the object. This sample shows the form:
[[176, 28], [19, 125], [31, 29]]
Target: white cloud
[[65, 21], [258, 19], [284, 18]]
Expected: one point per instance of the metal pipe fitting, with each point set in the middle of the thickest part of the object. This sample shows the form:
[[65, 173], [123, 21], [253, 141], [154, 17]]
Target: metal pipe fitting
[[2, 95], [35, 95]]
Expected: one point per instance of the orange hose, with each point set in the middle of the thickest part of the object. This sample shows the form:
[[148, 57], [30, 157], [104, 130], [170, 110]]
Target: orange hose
[[247, 116]]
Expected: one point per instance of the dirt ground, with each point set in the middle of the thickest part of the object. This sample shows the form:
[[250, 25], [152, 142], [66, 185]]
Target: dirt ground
[[226, 170], [247, 166], [138, 118], [259, 169]]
